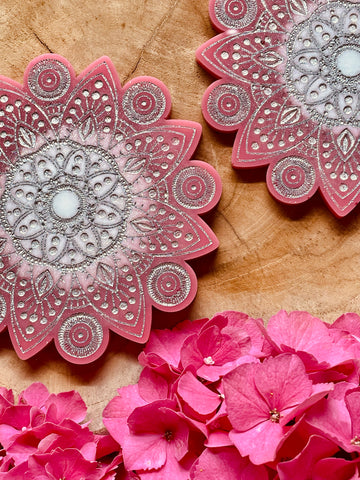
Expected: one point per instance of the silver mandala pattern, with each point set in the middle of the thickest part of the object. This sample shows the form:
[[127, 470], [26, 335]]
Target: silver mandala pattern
[[320, 65], [99, 204], [66, 205], [297, 62]]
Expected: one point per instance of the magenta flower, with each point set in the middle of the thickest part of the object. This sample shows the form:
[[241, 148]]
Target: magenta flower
[[262, 398], [350, 323], [164, 346], [43, 438], [36, 408], [220, 346], [315, 343], [336, 469], [99, 202], [62, 464], [159, 439], [57, 407], [47, 437], [118, 410], [338, 418], [219, 426]]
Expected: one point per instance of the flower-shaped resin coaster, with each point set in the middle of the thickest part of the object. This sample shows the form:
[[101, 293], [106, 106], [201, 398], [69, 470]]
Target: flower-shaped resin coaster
[[290, 85], [99, 207]]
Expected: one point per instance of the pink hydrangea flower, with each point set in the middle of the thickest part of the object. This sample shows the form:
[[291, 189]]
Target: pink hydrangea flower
[[308, 336], [262, 398], [57, 407], [164, 346], [266, 419], [219, 347], [38, 410], [158, 439], [63, 464], [336, 469], [118, 410], [43, 437], [338, 417], [48, 436], [197, 396]]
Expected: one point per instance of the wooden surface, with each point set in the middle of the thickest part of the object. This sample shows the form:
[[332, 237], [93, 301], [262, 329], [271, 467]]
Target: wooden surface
[[270, 256]]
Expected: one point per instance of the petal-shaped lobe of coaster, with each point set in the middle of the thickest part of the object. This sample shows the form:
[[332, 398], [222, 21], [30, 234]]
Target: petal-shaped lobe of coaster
[[288, 83], [292, 178], [226, 105], [99, 207]]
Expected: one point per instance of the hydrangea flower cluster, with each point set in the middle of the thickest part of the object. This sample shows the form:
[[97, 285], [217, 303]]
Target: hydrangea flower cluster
[[43, 436], [231, 399], [225, 398]]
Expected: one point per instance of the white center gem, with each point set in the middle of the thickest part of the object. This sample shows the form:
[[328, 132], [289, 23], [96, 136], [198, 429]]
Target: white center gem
[[348, 62], [66, 204]]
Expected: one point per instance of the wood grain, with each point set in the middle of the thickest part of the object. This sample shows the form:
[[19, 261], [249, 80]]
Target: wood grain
[[270, 256]]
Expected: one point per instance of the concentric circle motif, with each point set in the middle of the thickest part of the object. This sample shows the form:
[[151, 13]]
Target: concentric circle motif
[[168, 284], [228, 104], [49, 79], [194, 187], [235, 13], [144, 103], [65, 205], [80, 336], [323, 64], [293, 177]]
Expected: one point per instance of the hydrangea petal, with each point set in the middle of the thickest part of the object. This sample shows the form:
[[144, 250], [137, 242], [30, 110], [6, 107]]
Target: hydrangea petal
[[336, 469], [35, 395], [282, 381], [166, 344], [196, 395], [303, 464], [118, 410], [260, 443], [246, 408], [65, 405], [332, 417], [227, 464], [302, 332], [62, 464]]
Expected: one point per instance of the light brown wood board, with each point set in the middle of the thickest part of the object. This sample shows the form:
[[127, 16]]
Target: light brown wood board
[[270, 256]]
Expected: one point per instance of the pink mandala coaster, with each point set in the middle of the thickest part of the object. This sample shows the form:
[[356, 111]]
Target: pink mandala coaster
[[290, 86], [99, 207]]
